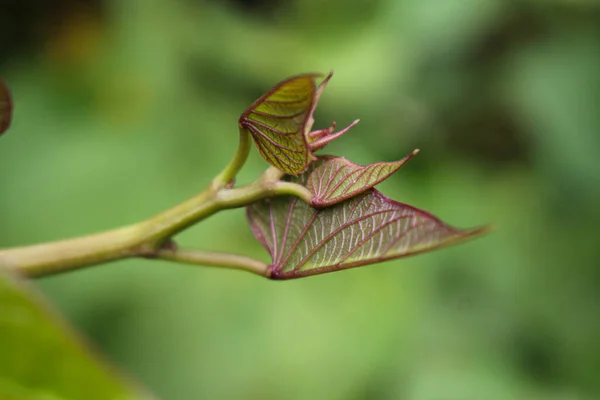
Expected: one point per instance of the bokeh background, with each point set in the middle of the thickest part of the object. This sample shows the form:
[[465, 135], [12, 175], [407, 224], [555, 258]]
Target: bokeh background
[[125, 108]]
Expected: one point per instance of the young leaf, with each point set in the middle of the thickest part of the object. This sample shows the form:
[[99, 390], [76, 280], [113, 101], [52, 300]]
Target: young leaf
[[363, 230], [320, 138], [5, 107], [277, 123], [41, 358], [310, 120], [334, 179]]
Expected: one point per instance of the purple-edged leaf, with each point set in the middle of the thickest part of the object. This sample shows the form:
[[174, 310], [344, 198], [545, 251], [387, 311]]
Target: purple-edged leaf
[[277, 123], [334, 179], [363, 230], [6, 107]]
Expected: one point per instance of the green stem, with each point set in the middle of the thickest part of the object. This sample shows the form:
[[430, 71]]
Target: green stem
[[280, 188], [197, 257], [145, 239], [238, 161], [169, 223], [55, 257]]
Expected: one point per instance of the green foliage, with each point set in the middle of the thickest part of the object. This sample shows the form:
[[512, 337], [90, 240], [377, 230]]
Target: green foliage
[[280, 122], [41, 358], [359, 226], [502, 98]]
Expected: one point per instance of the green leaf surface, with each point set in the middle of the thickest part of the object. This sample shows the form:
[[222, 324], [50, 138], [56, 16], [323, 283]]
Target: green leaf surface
[[277, 123], [42, 359], [6, 107], [365, 229], [335, 179]]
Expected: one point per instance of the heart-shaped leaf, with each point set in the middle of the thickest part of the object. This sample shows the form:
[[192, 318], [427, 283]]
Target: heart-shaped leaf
[[41, 358], [6, 107], [277, 122], [363, 230], [334, 179]]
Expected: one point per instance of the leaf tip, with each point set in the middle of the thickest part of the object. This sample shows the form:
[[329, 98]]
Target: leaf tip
[[482, 230], [323, 84], [468, 234]]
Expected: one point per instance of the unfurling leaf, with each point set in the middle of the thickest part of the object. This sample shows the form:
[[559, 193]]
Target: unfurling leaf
[[363, 230], [310, 120], [277, 122], [334, 179], [320, 138], [5, 107]]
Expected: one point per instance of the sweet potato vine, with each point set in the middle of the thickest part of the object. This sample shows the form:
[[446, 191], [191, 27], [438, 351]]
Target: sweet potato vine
[[313, 213]]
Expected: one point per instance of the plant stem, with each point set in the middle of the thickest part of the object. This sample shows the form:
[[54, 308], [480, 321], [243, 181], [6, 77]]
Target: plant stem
[[169, 223], [196, 257], [148, 238], [55, 257], [238, 161]]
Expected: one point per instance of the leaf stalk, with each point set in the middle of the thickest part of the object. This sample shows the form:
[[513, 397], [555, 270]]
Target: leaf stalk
[[225, 260]]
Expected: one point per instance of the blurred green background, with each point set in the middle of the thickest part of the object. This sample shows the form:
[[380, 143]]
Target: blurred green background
[[125, 108]]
